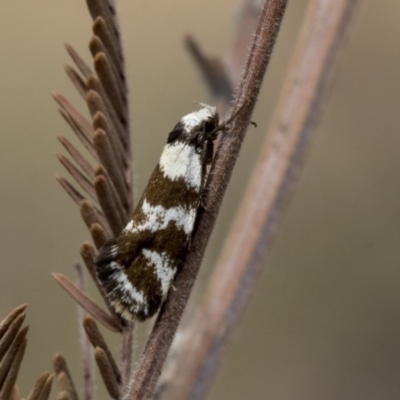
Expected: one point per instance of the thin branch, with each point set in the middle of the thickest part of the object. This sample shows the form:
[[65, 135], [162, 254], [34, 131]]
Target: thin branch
[[273, 180], [167, 322]]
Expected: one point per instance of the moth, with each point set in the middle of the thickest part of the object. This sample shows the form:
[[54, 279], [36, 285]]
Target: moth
[[136, 268]]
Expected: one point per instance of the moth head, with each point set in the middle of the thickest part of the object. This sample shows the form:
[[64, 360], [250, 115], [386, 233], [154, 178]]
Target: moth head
[[197, 127]]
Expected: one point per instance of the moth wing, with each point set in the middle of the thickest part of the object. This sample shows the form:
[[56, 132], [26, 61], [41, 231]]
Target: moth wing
[[114, 267]]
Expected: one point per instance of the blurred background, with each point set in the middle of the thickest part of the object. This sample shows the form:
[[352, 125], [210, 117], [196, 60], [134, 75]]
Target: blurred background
[[324, 321]]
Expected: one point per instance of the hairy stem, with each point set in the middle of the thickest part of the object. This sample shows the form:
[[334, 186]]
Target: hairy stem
[[271, 186], [167, 322]]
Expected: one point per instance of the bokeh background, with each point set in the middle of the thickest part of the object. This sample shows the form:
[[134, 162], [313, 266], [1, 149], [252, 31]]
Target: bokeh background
[[324, 320]]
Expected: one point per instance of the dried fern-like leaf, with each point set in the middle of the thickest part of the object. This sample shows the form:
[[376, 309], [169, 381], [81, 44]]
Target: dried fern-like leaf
[[107, 373], [80, 133], [10, 367], [97, 340], [77, 156], [74, 114], [11, 333], [109, 203], [82, 66], [98, 235], [81, 179], [47, 388], [88, 254], [88, 304], [101, 30], [107, 158], [100, 122], [64, 378], [74, 194], [77, 80], [110, 84], [11, 317], [96, 46], [42, 387]]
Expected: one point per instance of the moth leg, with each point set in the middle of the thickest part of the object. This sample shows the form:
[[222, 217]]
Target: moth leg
[[208, 152]]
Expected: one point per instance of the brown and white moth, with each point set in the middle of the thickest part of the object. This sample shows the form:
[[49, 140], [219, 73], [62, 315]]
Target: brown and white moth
[[137, 267]]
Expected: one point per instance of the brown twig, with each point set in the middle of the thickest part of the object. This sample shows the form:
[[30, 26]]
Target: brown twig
[[165, 327], [324, 30]]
